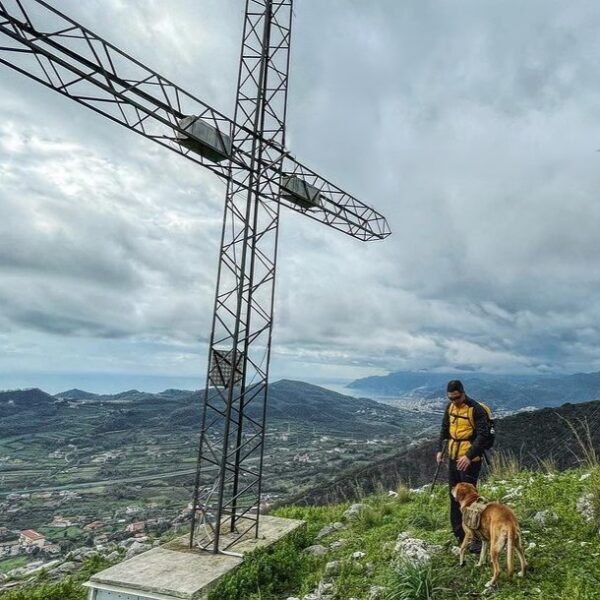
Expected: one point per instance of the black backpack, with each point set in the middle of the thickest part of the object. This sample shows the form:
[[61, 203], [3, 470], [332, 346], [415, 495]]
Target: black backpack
[[491, 425]]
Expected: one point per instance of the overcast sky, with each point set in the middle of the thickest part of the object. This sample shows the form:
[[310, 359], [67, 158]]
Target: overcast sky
[[472, 126]]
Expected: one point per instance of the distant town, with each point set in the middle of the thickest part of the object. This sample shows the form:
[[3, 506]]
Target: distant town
[[117, 477]]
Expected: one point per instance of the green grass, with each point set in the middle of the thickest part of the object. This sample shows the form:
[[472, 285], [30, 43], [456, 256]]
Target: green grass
[[565, 554], [60, 533], [13, 563]]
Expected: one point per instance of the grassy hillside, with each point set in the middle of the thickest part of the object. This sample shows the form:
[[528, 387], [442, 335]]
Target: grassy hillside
[[359, 559], [563, 551]]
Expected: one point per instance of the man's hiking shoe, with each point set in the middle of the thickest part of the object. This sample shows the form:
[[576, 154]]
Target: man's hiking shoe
[[475, 547]]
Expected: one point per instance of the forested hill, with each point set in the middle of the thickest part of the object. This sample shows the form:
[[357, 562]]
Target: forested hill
[[529, 437]]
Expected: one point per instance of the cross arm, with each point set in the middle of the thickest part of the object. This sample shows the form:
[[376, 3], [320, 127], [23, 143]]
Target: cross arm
[[43, 44], [328, 204]]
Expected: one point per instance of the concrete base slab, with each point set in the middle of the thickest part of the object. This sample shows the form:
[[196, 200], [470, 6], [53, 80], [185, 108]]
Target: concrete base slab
[[175, 571]]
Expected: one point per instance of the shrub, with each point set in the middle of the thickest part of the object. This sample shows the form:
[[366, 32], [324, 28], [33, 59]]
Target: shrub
[[403, 493], [368, 518], [583, 436], [426, 519], [595, 494], [64, 590], [268, 573], [505, 465], [417, 582]]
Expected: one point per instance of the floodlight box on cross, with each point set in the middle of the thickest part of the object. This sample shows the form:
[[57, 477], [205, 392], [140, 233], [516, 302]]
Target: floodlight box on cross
[[204, 139], [300, 192]]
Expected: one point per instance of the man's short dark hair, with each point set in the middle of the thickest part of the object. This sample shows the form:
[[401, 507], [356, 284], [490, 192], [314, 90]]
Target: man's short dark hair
[[455, 385]]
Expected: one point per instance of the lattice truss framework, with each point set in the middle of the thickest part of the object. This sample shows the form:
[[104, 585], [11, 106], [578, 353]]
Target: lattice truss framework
[[232, 439], [46, 45], [49, 47]]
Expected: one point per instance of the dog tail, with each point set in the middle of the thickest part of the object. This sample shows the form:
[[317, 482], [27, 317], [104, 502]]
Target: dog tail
[[509, 553]]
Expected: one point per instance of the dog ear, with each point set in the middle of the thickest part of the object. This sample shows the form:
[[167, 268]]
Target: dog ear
[[458, 492]]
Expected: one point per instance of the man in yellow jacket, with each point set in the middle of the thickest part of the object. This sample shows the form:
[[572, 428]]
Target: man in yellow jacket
[[465, 430]]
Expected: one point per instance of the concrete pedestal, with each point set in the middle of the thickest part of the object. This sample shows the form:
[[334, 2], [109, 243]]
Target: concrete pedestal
[[174, 571]]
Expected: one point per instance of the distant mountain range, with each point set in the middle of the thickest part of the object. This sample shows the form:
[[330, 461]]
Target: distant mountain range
[[288, 401], [503, 392]]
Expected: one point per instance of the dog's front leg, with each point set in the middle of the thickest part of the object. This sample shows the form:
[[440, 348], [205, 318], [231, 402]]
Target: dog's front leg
[[463, 548], [482, 553]]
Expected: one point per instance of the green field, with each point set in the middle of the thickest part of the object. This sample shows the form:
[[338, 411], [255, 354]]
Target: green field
[[13, 563]]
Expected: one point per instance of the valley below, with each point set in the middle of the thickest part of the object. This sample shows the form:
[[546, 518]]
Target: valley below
[[82, 469]]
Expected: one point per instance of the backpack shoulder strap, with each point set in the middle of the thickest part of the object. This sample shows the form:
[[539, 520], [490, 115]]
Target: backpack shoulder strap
[[472, 408]]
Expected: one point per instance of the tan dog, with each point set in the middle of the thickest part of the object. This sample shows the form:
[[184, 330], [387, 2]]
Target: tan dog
[[498, 527]]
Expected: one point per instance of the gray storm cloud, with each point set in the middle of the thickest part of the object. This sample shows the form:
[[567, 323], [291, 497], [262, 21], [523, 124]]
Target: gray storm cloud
[[472, 128]]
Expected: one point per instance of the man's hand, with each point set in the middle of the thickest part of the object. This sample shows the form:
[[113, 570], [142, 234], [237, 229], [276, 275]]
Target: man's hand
[[463, 463], [439, 457]]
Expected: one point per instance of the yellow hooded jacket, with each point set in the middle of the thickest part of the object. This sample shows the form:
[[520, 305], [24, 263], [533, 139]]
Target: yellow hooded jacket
[[465, 428]]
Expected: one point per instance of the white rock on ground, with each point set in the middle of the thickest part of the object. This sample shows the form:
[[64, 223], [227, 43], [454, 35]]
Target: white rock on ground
[[81, 554], [326, 588], [332, 568], [66, 567], [376, 592], [585, 507], [323, 591], [32, 568], [354, 511], [329, 529], [545, 517], [316, 550], [325, 531], [414, 550], [514, 493], [137, 548], [113, 556]]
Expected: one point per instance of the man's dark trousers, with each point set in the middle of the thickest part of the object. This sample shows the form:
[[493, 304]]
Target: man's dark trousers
[[455, 476]]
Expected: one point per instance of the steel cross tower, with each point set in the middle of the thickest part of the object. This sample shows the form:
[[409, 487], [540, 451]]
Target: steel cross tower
[[248, 153], [233, 423]]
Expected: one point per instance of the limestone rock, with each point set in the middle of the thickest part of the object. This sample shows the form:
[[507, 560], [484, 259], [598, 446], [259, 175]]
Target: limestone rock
[[323, 591], [545, 517], [316, 550], [354, 511], [585, 507], [66, 567], [81, 554], [414, 550], [325, 531], [332, 568], [376, 592], [113, 556], [137, 548], [514, 493]]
